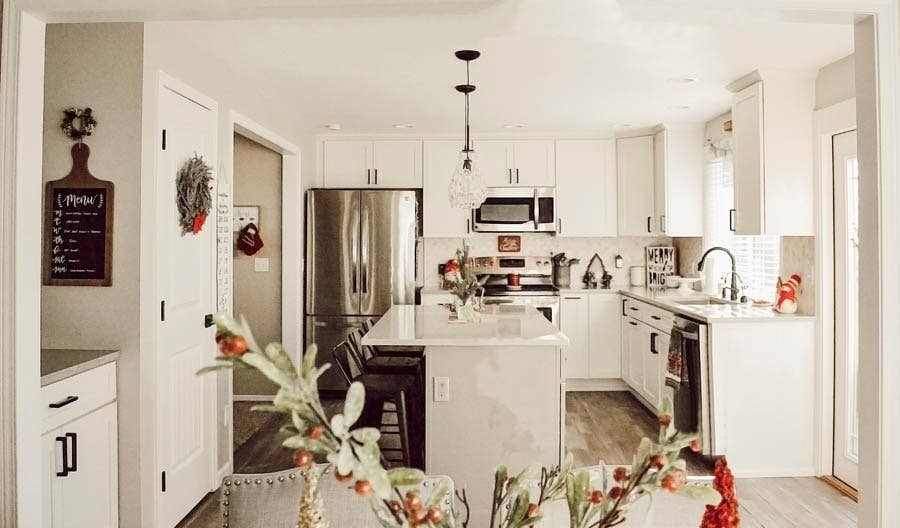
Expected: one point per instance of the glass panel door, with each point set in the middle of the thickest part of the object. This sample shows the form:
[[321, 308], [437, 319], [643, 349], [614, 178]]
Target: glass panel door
[[846, 301]]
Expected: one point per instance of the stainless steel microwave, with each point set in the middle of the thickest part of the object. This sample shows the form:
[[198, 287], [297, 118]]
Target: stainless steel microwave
[[517, 210]]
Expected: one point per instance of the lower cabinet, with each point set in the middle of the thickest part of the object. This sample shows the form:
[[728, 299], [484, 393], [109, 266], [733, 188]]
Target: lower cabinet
[[591, 321], [644, 358], [79, 448]]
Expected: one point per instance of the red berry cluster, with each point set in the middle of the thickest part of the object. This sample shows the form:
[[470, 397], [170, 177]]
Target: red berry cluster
[[414, 510], [725, 514]]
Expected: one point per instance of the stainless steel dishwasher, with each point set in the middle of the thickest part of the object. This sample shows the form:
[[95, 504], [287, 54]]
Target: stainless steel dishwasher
[[693, 399]]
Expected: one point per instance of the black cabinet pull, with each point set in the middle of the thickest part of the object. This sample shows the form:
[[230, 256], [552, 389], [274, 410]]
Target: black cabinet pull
[[517, 175], [208, 320], [63, 403], [376, 176], [632, 323], [633, 308], [369, 176], [74, 438], [648, 224], [656, 317], [624, 302], [65, 457], [653, 336], [731, 220]]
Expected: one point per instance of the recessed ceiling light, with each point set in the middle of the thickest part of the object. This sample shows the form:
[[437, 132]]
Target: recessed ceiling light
[[515, 125], [333, 126], [687, 79], [679, 107], [404, 125]]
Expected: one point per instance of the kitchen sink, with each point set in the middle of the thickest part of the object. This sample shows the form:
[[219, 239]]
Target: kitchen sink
[[702, 301]]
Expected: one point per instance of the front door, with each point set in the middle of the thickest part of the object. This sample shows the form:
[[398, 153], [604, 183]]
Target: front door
[[186, 404], [846, 304]]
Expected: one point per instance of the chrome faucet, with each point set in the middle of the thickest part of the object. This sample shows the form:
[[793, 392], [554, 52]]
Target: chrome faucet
[[590, 279], [733, 275]]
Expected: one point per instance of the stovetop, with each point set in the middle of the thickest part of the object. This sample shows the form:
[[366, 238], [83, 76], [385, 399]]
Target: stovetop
[[498, 290]]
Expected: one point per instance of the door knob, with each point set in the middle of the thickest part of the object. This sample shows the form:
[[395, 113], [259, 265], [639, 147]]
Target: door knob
[[208, 320]]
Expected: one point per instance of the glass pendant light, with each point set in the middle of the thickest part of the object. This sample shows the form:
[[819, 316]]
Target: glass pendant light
[[467, 189]]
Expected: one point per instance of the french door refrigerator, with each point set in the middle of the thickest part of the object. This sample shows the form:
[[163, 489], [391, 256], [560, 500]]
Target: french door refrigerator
[[361, 259]]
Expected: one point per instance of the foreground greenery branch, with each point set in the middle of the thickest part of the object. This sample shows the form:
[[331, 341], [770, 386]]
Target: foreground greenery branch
[[354, 455]]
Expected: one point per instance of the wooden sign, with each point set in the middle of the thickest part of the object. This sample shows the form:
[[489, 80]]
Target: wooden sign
[[78, 227], [509, 243]]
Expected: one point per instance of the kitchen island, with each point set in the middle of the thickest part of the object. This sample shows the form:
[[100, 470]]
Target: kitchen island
[[494, 392]]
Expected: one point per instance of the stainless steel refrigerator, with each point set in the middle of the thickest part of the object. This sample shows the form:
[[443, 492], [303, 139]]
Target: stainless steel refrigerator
[[360, 260]]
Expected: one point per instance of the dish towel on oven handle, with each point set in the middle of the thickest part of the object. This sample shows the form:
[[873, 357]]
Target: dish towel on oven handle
[[676, 366]]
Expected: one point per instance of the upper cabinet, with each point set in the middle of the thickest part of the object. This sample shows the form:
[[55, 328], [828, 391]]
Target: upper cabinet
[[516, 163], [772, 119], [678, 180], [438, 218], [634, 171], [372, 164], [660, 179], [586, 187]]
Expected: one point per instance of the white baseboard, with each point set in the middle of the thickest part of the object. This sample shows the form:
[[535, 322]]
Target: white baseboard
[[252, 398], [599, 385], [223, 472]]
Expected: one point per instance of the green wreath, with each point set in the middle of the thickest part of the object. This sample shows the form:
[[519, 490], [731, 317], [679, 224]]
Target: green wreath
[[194, 194]]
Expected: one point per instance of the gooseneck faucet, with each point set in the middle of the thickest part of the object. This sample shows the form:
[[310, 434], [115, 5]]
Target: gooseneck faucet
[[735, 277], [590, 279]]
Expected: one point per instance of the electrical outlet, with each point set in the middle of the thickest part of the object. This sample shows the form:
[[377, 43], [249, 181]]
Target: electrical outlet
[[261, 264], [441, 389]]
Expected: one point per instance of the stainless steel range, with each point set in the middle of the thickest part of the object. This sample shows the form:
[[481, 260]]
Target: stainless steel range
[[520, 281]]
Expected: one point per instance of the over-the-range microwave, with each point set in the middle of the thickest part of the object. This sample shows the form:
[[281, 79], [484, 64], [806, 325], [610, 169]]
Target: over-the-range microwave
[[517, 210]]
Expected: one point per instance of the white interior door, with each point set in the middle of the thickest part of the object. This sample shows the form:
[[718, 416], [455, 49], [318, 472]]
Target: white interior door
[[186, 403], [846, 304]]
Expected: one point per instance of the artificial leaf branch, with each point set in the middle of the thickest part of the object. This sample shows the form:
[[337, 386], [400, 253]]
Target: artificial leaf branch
[[355, 455]]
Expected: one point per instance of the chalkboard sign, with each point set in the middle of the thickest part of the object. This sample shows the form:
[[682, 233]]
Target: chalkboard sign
[[78, 227]]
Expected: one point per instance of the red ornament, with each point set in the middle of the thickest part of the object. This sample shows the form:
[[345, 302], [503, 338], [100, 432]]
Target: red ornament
[[620, 474], [596, 497], [533, 510], [233, 346], [658, 462], [434, 515], [665, 420], [315, 432], [413, 502], [615, 492], [342, 478], [199, 220], [695, 445], [303, 459]]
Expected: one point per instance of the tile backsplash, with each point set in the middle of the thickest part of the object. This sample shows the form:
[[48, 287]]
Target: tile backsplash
[[439, 250]]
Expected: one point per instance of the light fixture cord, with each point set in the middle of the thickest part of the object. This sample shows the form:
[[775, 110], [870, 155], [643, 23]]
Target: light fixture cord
[[467, 111]]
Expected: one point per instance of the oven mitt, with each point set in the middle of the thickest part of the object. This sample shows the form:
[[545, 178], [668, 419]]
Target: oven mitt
[[249, 240]]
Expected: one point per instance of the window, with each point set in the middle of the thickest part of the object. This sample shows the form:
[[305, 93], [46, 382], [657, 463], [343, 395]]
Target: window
[[757, 257]]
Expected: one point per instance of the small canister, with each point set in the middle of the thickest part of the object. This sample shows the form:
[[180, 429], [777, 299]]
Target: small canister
[[636, 275], [513, 280]]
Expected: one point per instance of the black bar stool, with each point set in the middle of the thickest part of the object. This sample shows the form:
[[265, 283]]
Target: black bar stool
[[378, 364], [381, 389]]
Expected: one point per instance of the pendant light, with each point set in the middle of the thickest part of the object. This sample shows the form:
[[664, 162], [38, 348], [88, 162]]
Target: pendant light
[[467, 189]]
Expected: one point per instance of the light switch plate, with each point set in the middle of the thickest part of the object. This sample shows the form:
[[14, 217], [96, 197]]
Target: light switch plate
[[260, 264], [441, 389]]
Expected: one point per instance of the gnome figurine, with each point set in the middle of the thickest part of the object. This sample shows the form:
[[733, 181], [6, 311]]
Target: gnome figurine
[[787, 295]]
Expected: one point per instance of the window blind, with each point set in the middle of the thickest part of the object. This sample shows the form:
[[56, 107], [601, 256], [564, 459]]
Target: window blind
[[757, 258]]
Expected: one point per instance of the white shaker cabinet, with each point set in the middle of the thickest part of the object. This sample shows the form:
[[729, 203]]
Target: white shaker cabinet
[[586, 188], [772, 120], [635, 172], [517, 163], [605, 335], [575, 322], [655, 358], [439, 219], [632, 353], [678, 180], [387, 164], [79, 447]]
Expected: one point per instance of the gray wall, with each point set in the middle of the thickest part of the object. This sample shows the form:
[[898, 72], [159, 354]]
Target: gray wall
[[103, 71], [257, 295]]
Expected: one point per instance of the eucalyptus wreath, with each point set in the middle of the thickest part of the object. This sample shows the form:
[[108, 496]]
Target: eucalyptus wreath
[[84, 119], [194, 194]]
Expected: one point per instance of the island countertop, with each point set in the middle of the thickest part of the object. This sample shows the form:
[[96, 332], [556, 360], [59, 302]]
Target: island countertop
[[501, 325], [59, 364]]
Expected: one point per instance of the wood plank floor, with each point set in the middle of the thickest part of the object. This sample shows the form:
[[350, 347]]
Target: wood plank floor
[[599, 426]]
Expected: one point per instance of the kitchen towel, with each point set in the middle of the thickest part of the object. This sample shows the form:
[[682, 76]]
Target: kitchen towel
[[676, 368]]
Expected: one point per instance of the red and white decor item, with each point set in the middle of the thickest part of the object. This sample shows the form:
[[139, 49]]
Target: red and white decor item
[[787, 295]]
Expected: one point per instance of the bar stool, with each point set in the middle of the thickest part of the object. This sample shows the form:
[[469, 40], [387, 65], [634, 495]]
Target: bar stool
[[378, 364], [381, 389]]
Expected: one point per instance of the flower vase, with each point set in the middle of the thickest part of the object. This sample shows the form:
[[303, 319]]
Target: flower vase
[[466, 310]]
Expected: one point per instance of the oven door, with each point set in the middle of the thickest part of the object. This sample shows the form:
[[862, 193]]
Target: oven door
[[516, 210]]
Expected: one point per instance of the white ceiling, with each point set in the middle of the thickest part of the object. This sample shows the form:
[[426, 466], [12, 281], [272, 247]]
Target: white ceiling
[[560, 66]]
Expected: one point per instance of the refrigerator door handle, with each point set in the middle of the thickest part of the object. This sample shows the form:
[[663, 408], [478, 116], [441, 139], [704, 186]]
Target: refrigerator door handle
[[364, 251]]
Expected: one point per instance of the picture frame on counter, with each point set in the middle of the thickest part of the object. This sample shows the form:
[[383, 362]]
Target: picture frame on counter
[[509, 243]]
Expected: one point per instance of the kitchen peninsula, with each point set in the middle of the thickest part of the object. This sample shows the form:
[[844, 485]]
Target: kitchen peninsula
[[494, 390]]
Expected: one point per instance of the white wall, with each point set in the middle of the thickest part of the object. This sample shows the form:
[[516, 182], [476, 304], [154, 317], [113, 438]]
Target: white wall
[[102, 71], [835, 82]]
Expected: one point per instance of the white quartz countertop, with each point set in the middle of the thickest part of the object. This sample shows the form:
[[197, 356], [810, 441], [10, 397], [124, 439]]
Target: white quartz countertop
[[501, 325]]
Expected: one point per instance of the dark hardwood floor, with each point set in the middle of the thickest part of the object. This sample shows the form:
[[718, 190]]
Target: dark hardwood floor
[[605, 426]]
